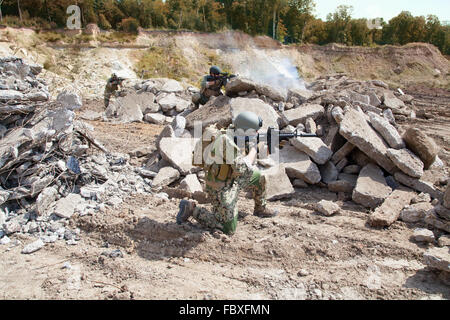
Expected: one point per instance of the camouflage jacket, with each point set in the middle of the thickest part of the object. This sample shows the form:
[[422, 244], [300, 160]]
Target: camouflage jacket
[[212, 91], [111, 86], [222, 160]]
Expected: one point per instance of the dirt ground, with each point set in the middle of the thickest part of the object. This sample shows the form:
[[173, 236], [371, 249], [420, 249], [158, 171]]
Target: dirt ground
[[298, 255]]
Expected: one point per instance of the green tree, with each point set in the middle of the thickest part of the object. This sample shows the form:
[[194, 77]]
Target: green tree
[[296, 17], [338, 24]]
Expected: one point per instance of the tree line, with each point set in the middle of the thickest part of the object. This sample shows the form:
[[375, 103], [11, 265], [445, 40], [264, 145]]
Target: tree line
[[290, 21]]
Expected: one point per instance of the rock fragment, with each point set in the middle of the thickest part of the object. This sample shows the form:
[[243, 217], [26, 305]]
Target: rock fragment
[[371, 188]]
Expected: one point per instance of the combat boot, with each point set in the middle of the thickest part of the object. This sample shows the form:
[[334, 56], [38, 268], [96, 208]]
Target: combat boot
[[186, 211], [265, 212]]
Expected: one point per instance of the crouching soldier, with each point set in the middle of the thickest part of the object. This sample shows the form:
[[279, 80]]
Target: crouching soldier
[[112, 86], [227, 171], [211, 86]]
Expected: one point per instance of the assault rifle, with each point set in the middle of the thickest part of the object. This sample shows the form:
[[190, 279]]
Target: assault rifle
[[272, 136], [118, 81], [224, 76]]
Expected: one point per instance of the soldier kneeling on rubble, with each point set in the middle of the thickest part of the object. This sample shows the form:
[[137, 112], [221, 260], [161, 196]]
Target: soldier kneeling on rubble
[[112, 86], [211, 86], [226, 177]]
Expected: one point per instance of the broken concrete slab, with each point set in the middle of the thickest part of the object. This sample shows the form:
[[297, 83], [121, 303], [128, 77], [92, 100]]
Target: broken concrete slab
[[239, 84], [278, 185], [392, 102], [432, 219], [33, 247], [357, 97], [65, 207], [70, 100], [444, 240], [341, 164], [374, 100], [329, 172], [406, 161], [172, 86], [341, 186], [342, 152], [172, 101], [387, 131], [333, 139], [442, 212], [416, 212], [418, 185], [344, 183], [45, 198], [302, 95], [352, 169], [314, 147], [437, 258], [216, 111], [423, 235], [371, 188], [310, 126], [178, 152], [299, 115], [270, 92], [191, 184], [327, 208], [299, 165], [155, 118], [165, 176], [390, 210], [299, 183], [358, 132], [446, 200], [6, 95], [422, 145]]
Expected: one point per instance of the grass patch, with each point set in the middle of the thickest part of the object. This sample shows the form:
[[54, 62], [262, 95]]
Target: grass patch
[[51, 37], [163, 62], [116, 36]]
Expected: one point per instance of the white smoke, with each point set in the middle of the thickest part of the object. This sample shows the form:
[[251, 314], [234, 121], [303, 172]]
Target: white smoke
[[265, 66], [275, 70]]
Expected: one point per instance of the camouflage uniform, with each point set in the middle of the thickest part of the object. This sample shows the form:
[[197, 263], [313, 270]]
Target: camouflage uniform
[[111, 87], [207, 92], [224, 193]]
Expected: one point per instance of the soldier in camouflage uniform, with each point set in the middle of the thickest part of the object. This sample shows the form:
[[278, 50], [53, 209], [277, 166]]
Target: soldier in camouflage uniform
[[224, 180], [112, 86], [210, 87]]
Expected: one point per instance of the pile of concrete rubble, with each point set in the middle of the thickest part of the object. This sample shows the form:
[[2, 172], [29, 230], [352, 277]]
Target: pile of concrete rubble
[[51, 166], [359, 152]]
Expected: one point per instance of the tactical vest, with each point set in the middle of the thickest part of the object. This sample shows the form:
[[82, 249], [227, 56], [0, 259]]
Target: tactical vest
[[215, 156], [213, 91]]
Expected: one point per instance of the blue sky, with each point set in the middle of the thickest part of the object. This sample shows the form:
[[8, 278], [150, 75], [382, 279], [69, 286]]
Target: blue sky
[[386, 9]]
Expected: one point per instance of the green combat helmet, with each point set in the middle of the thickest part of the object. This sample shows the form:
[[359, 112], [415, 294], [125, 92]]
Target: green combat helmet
[[248, 120], [215, 70]]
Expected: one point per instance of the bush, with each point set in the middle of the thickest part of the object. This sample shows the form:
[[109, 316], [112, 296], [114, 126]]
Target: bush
[[129, 25], [163, 62], [36, 23], [104, 23]]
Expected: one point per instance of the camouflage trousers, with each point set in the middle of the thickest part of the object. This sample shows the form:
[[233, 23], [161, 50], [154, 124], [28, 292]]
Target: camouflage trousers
[[224, 213], [107, 97], [198, 99]]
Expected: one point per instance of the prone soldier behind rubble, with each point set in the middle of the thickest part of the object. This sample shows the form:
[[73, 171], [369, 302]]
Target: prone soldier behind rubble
[[226, 175], [112, 86], [211, 86]]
